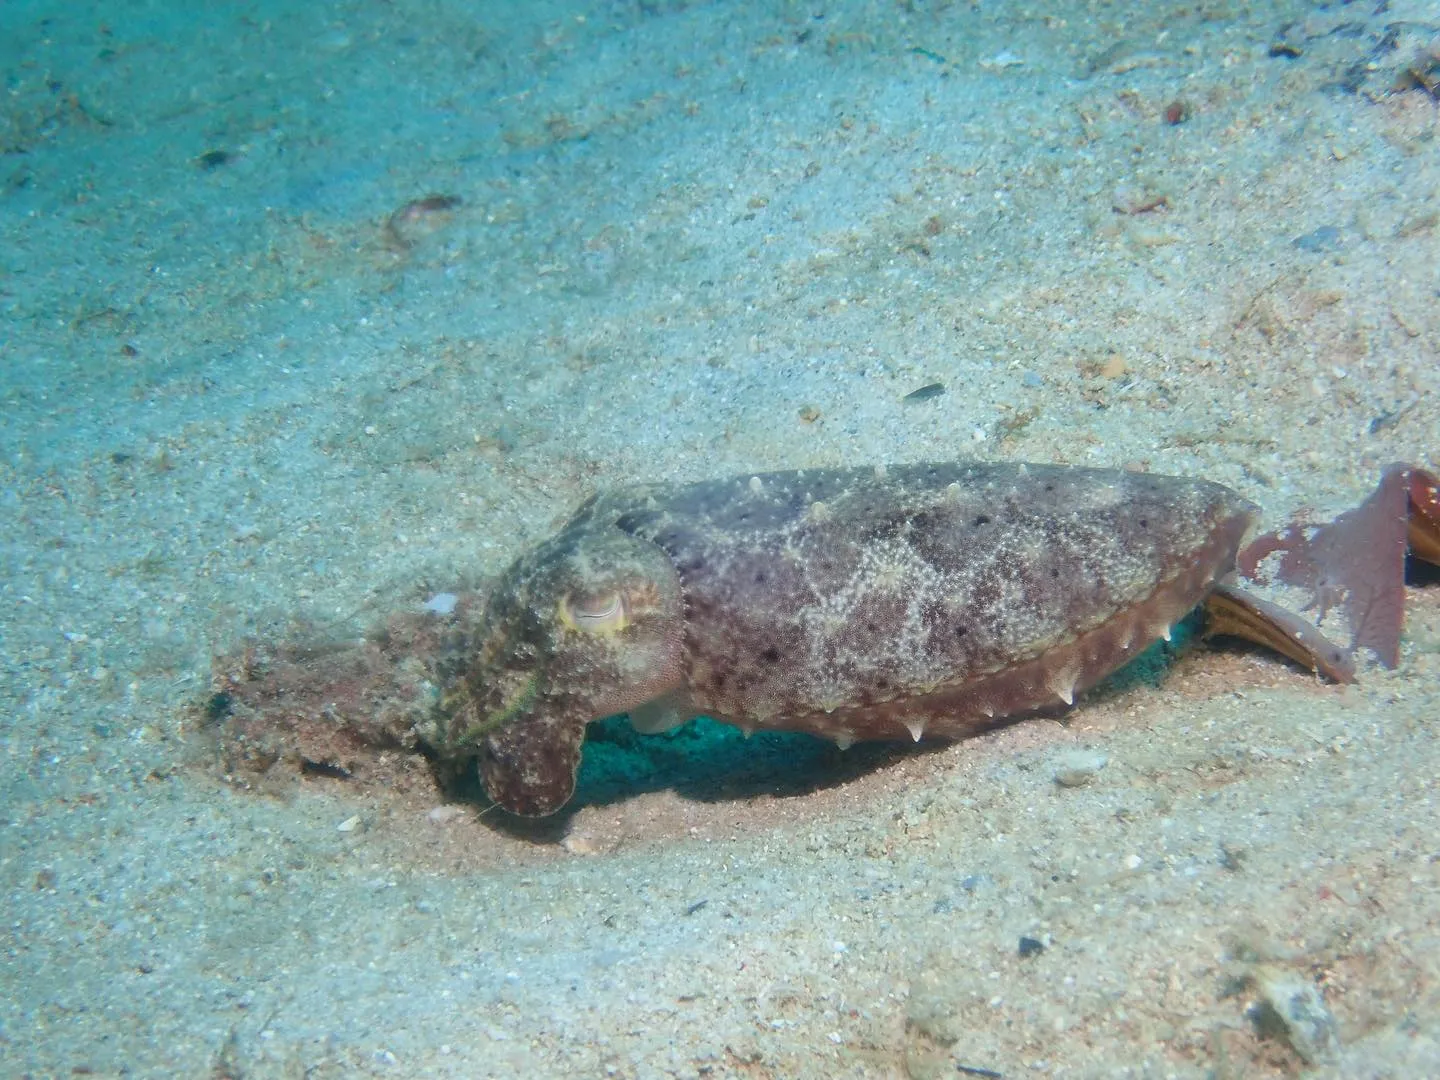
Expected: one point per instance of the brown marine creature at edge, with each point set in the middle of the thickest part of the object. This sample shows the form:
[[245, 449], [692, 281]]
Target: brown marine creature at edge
[[931, 600]]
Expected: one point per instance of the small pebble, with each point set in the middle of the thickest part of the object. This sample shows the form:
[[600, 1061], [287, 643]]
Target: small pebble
[[443, 815], [1076, 768], [350, 824], [925, 393], [334, 40], [1132, 198], [442, 603], [580, 844], [1001, 60], [1030, 946], [1291, 1006], [1325, 238], [420, 219]]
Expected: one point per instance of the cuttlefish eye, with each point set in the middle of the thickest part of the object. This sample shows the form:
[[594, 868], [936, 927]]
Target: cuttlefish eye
[[595, 613]]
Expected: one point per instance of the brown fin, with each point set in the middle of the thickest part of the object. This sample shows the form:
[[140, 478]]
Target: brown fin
[[1232, 610]]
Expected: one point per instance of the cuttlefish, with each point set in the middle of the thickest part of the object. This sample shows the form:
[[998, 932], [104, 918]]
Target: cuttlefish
[[929, 601], [915, 601]]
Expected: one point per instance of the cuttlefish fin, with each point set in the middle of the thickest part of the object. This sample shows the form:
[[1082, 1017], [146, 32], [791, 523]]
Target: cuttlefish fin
[[664, 713]]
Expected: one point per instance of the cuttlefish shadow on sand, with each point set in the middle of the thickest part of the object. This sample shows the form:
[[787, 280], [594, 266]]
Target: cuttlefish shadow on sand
[[915, 601]]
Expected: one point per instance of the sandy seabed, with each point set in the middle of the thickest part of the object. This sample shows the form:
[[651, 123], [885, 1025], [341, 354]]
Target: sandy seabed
[[306, 314]]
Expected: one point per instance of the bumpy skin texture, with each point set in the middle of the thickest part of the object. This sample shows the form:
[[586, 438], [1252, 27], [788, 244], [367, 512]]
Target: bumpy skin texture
[[928, 600]]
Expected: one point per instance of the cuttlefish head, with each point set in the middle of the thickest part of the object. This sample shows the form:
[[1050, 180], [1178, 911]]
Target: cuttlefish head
[[585, 626]]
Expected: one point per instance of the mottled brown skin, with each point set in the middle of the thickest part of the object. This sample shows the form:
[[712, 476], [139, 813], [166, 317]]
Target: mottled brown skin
[[931, 600]]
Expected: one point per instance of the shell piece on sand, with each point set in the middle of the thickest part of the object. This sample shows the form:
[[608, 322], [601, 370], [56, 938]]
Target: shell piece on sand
[[934, 599]]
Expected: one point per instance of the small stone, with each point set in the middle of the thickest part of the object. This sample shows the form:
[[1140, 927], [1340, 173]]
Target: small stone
[[580, 844], [1292, 1008], [442, 603], [1002, 60], [350, 824], [1325, 238], [1133, 198], [1030, 946], [939, 995], [419, 220], [1076, 768], [927, 392], [443, 815]]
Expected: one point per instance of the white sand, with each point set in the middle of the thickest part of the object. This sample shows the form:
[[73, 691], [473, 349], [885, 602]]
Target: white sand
[[243, 392]]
